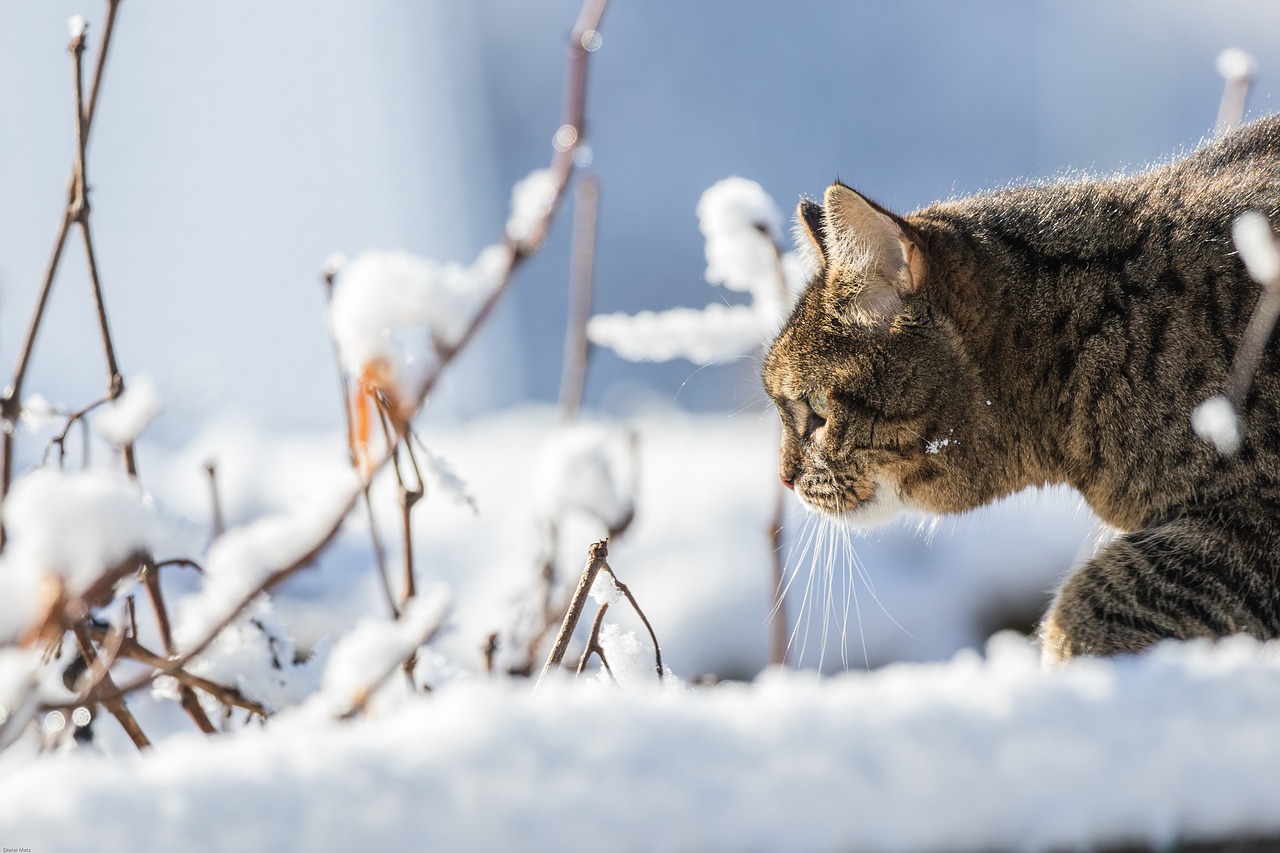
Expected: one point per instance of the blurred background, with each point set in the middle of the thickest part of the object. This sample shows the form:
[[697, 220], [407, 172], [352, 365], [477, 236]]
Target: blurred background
[[239, 143]]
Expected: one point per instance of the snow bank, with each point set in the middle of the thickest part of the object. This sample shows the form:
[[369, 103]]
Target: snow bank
[[971, 754]]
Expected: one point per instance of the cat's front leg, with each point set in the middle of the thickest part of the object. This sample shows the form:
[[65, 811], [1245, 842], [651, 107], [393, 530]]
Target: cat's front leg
[[1207, 574]]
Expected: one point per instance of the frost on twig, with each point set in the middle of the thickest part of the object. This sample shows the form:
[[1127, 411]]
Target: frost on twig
[[1216, 420], [1237, 68], [741, 225], [124, 419], [363, 659]]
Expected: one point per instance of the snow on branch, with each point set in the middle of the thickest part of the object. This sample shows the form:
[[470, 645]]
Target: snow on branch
[[1216, 420], [741, 226]]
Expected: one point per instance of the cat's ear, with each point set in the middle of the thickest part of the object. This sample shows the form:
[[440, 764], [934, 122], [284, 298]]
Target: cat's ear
[[810, 223], [867, 251]]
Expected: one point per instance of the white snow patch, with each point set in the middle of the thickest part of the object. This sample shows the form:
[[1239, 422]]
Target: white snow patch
[[740, 223], [933, 447], [376, 646], [77, 26], [75, 526], [123, 420], [38, 413], [18, 690], [1171, 747], [391, 312], [588, 468], [605, 589], [1257, 245], [1215, 421], [531, 201], [242, 559], [703, 336], [1236, 65]]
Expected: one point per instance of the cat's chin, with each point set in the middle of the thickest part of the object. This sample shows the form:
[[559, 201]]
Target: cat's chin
[[885, 504]]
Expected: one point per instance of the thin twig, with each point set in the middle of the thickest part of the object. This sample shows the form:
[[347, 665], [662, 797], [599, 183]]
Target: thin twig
[[562, 166], [131, 649], [577, 347], [11, 401], [60, 440], [190, 703], [657, 650], [114, 704], [598, 552], [593, 646], [215, 501]]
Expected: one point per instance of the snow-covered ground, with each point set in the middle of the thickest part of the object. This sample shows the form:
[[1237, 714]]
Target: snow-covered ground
[[973, 746]]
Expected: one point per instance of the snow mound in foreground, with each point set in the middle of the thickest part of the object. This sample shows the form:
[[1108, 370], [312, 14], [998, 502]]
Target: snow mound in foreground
[[970, 754]]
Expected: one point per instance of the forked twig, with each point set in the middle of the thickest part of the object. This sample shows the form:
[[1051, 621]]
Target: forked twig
[[597, 554], [594, 647]]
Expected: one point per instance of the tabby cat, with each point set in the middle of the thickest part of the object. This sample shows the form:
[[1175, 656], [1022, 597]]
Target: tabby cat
[[1053, 334]]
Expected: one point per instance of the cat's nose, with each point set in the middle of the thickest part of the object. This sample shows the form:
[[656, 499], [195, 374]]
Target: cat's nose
[[789, 483]]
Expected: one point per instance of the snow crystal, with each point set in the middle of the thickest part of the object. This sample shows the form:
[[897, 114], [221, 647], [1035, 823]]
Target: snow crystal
[[256, 655], [38, 413], [376, 646], [531, 201], [1257, 247], [703, 336], [124, 419], [334, 264], [1215, 421], [740, 223], [242, 559], [1235, 64], [936, 445], [394, 311], [587, 468], [76, 525], [605, 589], [76, 24]]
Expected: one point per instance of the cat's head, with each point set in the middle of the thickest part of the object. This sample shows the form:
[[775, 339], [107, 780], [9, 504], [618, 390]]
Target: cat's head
[[872, 383]]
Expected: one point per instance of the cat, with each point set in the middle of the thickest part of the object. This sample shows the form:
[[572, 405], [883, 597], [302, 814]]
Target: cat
[[1059, 333]]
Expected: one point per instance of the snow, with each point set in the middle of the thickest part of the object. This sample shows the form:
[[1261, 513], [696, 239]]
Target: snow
[[703, 336], [1257, 247], [1236, 65], [375, 647], [1215, 421], [392, 312], [74, 527], [243, 558], [605, 590], [76, 24], [531, 200], [39, 414], [740, 223], [123, 420], [975, 753], [588, 468]]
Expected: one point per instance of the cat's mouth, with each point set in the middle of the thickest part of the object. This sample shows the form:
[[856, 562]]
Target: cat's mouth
[[873, 504]]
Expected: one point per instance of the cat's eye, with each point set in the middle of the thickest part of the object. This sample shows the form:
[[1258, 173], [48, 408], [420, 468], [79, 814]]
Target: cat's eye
[[820, 404]]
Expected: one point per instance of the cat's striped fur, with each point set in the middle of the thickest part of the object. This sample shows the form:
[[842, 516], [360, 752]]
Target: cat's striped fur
[[1053, 334]]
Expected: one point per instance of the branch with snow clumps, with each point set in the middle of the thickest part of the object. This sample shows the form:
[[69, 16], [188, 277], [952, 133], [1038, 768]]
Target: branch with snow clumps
[[741, 225], [1216, 420]]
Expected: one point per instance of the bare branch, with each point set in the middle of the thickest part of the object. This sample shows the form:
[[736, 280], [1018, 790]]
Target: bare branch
[[657, 650], [598, 552], [114, 704], [577, 347]]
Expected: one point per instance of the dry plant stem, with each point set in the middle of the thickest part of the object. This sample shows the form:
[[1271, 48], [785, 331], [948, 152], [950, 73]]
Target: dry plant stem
[[577, 347], [778, 622], [1261, 324], [114, 704], [215, 501], [572, 115], [595, 562], [1231, 108], [131, 649], [593, 646], [190, 703], [11, 402], [60, 440], [657, 650]]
